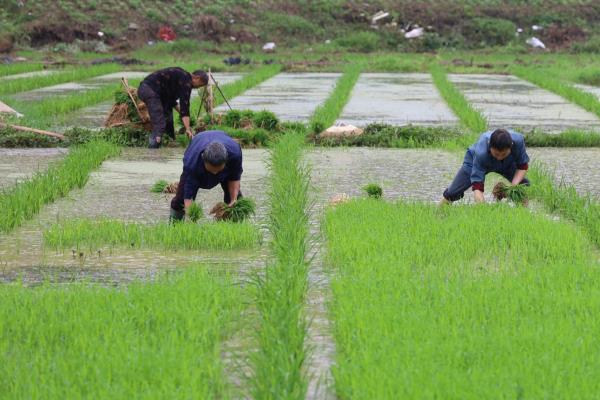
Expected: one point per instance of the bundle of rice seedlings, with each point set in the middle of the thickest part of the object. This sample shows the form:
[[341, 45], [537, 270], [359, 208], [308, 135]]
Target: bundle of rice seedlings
[[159, 186], [515, 193], [373, 190], [238, 212], [194, 212]]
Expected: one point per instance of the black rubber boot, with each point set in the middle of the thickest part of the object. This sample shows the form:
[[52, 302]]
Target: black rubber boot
[[176, 216]]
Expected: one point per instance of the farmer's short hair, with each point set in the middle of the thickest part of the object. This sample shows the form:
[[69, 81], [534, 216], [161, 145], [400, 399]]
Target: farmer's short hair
[[501, 139], [201, 74], [215, 154]]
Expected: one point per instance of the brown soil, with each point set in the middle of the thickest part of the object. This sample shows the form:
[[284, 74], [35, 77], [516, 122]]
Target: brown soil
[[499, 191], [219, 211]]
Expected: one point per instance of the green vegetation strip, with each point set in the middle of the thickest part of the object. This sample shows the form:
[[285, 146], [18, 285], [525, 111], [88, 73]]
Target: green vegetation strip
[[278, 365], [468, 115], [114, 233], [461, 302], [71, 75], [547, 81], [23, 201], [14, 69], [161, 339], [326, 114], [564, 200]]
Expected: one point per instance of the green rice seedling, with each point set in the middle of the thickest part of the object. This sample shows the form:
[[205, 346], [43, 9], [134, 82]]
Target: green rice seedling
[[157, 339], [471, 118], [278, 365], [159, 186], [23, 201], [373, 190], [549, 82], [515, 193], [265, 120], [233, 118], [113, 233], [69, 75], [568, 138], [325, 115], [461, 302], [194, 212]]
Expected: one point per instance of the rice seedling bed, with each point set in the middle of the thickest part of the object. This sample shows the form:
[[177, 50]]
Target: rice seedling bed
[[278, 365], [155, 339], [11, 71], [508, 101], [461, 302], [291, 96], [396, 99], [17, 165]]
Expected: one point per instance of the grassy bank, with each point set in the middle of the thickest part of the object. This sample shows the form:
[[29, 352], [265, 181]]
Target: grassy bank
[[326, 114], [14, 69], [445, 307], [278, 363], [23, 201], [95, 234], [153, 340]]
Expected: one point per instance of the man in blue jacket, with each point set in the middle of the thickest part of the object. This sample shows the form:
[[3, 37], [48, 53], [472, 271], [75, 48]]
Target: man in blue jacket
[[501, 151], [212, 158]]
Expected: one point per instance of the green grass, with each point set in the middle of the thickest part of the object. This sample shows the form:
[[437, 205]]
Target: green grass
[[461, 302], [19, 68], [159, 339], [71, 75], [23, 201], [93, 234], [326, 114], [549, 82], [373, 190], [563, 199], [194, 212], [278, 365], [472, 119]]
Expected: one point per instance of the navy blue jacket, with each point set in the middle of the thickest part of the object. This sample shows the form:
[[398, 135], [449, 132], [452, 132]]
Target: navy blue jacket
[[193, 166], [172, 84], [479, 160]]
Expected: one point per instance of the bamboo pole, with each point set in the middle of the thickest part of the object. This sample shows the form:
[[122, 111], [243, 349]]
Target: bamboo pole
[[33, 130]]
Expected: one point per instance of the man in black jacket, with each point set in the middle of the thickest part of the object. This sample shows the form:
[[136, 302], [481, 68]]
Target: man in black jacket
[[161, 91]]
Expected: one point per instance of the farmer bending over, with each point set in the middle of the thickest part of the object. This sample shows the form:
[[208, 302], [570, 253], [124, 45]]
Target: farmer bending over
[[501, 151], [212, 158], [160, 91]]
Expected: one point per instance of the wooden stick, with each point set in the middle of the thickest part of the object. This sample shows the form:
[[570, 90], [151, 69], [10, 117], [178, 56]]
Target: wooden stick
[[38, 131], [124, 81]]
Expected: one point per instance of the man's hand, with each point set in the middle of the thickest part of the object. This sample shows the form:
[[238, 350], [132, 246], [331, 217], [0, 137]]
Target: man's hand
[[519, 176], [186, 205], [479, 198], [234, 190], [189, 133]]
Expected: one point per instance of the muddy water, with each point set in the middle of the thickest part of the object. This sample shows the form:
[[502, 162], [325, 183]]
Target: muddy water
[[396, 99], [292, 97], [19, 164], [511, 102], [69, 88], [577, 167], [121, 189], [94, 116]]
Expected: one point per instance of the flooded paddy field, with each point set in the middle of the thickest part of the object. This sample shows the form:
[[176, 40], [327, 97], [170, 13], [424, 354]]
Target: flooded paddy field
[[508, 101], [19, 164], [396, 99], [292, 97]]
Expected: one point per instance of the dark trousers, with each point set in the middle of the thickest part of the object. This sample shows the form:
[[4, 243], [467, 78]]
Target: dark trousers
[[161, 116], [177, 202], [462, 181]]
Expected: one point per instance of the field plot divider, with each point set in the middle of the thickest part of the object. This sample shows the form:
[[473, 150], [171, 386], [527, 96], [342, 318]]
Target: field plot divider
[[278, 369], [471, 118], [326, 114]]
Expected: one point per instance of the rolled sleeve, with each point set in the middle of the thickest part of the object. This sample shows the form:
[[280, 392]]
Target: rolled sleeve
[[521, 158], [477, 175]]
